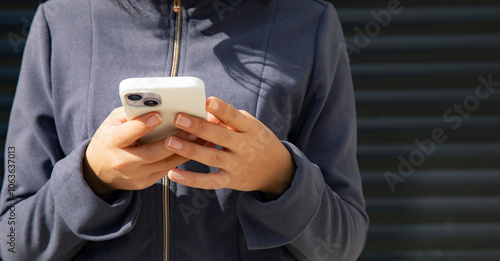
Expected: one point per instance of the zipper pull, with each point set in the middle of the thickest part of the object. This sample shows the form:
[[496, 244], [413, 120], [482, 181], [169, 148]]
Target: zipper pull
[[177, 6]]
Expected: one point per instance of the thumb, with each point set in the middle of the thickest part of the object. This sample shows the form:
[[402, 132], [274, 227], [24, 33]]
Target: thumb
[[130, 131]]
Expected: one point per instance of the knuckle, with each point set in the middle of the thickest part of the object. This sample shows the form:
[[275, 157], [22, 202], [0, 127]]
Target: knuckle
[[168, 165], [224, 136], [220, 180], [201, 127], [139, 129], [193, 181], [264, 135], [140, 184], [213, 185], [150, 153], [107, 129], [233, 116], [217, 158], [232, 167], [117, 138], [190, 151], [118, 165]]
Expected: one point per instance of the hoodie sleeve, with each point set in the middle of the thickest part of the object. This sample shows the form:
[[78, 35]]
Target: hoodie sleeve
[[48, 211], [322, 215]]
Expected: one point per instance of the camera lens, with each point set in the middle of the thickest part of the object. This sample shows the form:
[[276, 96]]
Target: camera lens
[[150, 103], [134, 97]]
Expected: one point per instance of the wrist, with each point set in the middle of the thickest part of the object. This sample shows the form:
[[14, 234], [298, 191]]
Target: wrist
[[101, 189], [282, 178]]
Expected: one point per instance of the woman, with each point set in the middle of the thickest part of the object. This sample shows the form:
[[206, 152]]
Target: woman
[[283, 182]]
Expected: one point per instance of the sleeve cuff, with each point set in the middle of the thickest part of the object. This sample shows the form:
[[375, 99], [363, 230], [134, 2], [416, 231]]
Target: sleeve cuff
[[279, 222], [86, 214]]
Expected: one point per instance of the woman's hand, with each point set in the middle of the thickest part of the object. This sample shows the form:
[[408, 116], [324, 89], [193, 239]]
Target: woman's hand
[[114, 160], [252, 158]]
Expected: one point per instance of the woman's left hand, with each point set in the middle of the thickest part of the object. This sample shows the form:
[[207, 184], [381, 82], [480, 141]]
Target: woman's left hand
[[252, 158]]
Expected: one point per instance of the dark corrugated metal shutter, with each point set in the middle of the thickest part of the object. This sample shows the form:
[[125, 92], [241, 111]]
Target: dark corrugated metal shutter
[[15, 18], [416, 67], [425, 127]]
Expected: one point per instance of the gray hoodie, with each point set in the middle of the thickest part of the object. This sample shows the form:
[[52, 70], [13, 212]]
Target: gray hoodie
[[283, 61]]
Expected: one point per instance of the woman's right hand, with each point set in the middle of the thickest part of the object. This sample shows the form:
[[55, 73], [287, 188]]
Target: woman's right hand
[[114, 160]]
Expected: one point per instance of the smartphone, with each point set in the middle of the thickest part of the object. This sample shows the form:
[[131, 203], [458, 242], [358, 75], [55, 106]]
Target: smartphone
[[165, 95]]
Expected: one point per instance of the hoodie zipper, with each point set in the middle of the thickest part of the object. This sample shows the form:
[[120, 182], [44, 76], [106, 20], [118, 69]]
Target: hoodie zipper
[[173, 73], [177, 38]]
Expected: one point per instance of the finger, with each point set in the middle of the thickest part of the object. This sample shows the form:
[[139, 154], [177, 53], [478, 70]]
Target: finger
[[163, 166], [117, 116], [213, 180], [155, 151], [227, 114], [186, 136], [211, 118], [129, 132], [212, 132], [205, 155]]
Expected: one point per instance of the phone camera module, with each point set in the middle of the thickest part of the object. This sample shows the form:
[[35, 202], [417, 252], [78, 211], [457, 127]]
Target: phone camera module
[[150, 103], [134, 97], [143, 99]]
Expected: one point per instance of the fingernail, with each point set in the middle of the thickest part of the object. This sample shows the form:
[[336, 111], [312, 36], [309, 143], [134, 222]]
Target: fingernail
[[213, 105], [174, 143], [174, 175], [153, 120], [183, 121]]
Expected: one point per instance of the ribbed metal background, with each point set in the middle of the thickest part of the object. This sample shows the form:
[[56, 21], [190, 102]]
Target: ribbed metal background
[[411, 75]]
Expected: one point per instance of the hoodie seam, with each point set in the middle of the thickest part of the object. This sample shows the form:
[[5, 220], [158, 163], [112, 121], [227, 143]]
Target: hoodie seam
[[259, 97], [91, 68]]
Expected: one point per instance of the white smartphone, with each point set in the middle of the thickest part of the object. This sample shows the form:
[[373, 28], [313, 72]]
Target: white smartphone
[[165, 95]]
